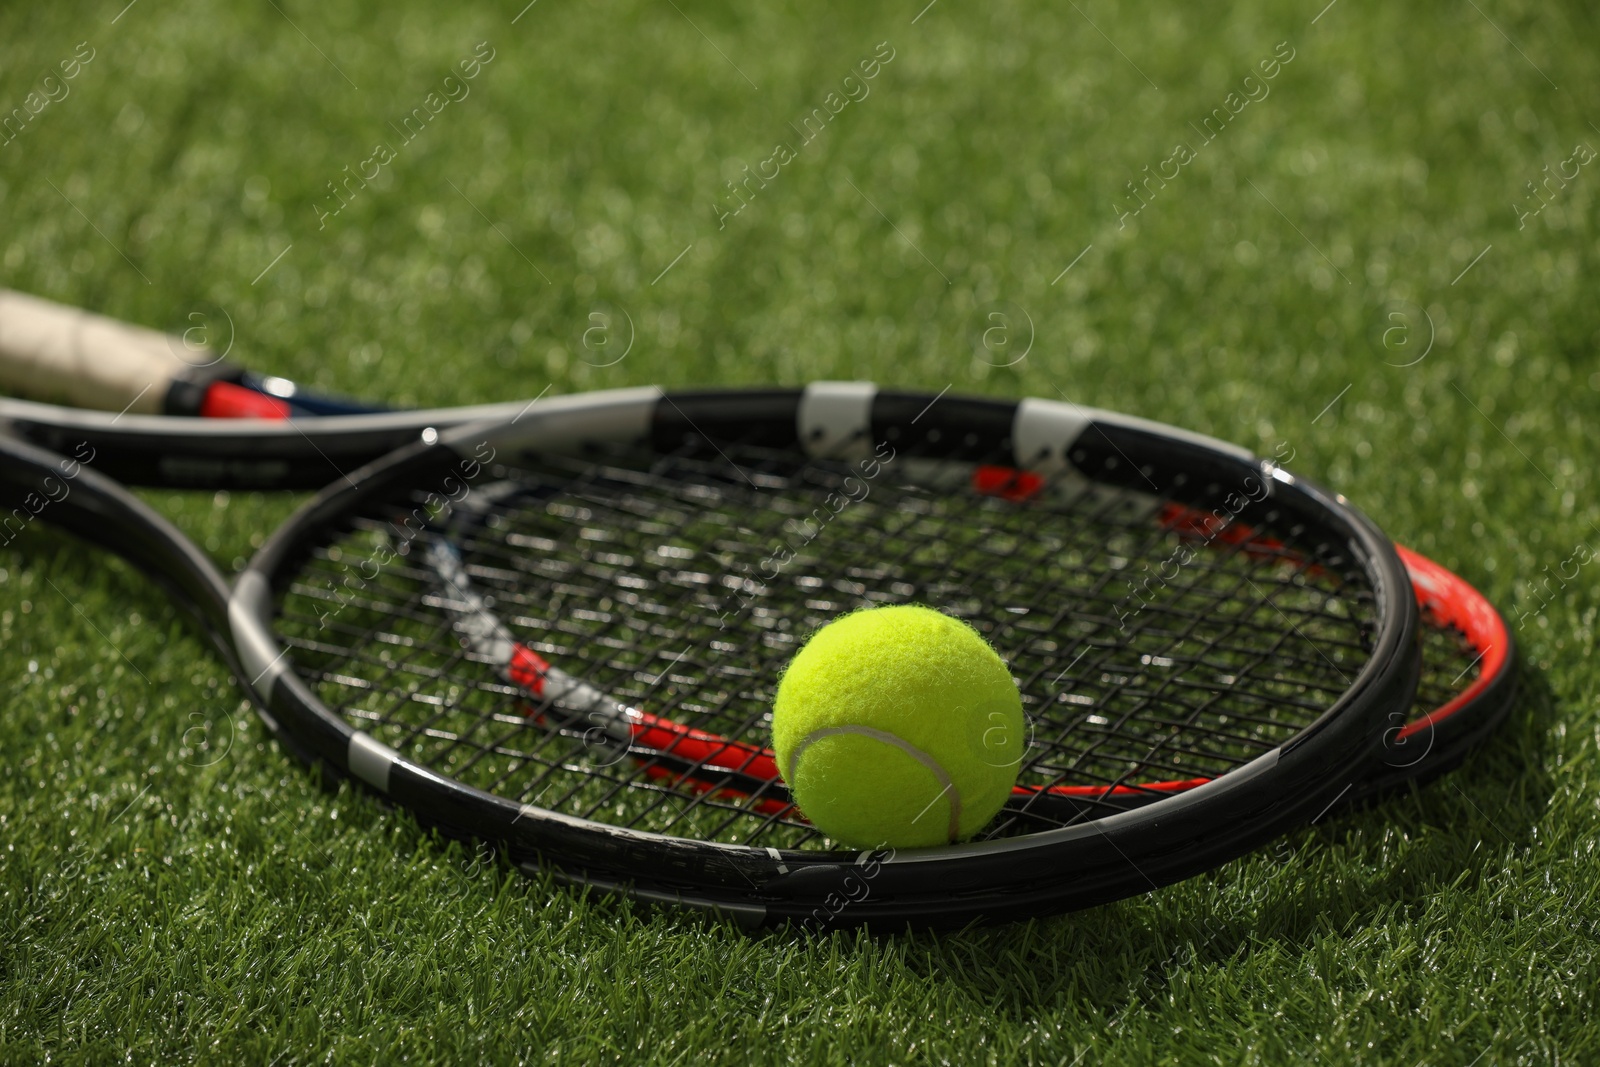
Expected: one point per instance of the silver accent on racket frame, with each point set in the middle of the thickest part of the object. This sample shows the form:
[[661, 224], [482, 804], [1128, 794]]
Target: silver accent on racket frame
[[249, 612], [370, 760], [835, 419], [561, 422]]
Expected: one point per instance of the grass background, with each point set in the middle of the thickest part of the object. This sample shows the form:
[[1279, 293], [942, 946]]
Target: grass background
[[173, 887]]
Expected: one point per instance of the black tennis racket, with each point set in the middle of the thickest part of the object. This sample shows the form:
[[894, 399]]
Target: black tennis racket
[[561, 634], [166, 409]]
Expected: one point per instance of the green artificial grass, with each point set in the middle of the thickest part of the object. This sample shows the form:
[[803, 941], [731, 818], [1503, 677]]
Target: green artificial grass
[[175, 888]]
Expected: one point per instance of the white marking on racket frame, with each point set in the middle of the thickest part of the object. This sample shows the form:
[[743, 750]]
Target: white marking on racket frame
[[835, 419], [1043, 433], [370, 760], [249, 607], [566, 423]]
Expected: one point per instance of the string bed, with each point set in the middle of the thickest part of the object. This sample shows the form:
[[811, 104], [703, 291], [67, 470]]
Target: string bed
[[1149, 648]]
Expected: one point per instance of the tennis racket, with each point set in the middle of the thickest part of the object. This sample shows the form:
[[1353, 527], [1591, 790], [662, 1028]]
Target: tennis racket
[[166, 409], [561, 634]]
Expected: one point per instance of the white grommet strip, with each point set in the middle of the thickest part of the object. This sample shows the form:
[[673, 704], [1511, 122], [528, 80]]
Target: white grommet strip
[[1043, 433], [835, 419], [370, 760]]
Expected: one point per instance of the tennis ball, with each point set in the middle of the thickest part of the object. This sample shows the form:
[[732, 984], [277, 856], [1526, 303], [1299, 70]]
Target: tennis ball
[[898, 727]]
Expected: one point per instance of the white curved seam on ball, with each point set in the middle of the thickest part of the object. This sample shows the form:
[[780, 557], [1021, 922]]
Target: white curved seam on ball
[[948, 788]]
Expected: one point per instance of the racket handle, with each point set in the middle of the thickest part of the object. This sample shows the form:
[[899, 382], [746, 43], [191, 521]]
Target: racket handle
[[50, 351]]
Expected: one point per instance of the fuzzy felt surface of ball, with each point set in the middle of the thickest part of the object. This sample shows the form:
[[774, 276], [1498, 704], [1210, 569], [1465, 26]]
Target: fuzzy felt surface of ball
[[898, 727]]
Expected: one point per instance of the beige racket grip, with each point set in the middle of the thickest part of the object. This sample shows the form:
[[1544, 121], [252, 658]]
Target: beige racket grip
[[50, 351]]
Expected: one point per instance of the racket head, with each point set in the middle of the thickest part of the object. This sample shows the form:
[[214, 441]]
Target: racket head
[[972, 505], [1468, 682]]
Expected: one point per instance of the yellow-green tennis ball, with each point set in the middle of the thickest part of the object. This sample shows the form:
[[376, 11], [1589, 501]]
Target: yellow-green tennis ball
[[898, 727]]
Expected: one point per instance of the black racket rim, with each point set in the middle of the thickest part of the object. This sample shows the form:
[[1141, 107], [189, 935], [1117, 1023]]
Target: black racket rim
[[1052, 870], [179, 452], [102, 513]]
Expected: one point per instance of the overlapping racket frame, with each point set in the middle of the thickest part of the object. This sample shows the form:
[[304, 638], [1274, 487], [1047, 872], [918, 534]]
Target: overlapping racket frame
[[1210, 649], [648, 545]]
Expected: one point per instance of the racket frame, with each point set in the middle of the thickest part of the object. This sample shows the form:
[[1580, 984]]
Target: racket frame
[[1074, 866], [192, 453], [821, 888]]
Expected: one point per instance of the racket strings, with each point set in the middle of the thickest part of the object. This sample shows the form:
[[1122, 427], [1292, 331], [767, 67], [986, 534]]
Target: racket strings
[[388, 694], [654, 650], [1451, 662], [1100, 753], [536, 787], [683, 583], [701, 699], [980, 543], [1113, 744]]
